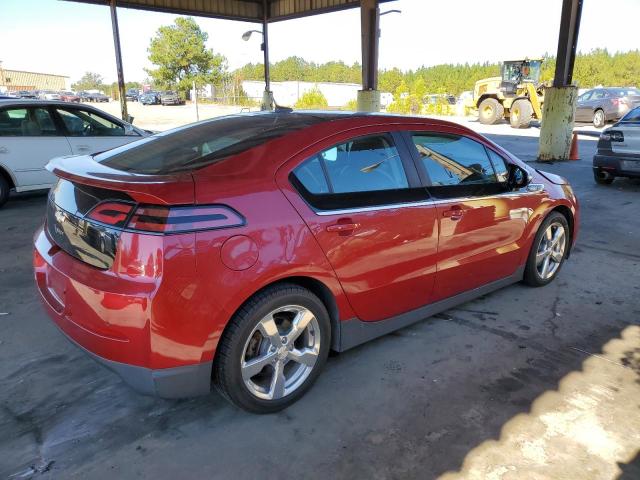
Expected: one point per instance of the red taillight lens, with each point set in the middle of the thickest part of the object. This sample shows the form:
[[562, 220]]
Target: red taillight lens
[[183, 219], [160, 219], [111, 213]]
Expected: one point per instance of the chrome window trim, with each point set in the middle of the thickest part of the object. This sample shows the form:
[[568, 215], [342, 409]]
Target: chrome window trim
[[347, 211]]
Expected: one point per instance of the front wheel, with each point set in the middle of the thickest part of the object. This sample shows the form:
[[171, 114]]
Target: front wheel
[[548, 252], [490, 111], [273, 349], [520, 114]]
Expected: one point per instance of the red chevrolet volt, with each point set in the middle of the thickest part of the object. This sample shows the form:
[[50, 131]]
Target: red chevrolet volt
[[236, 252]]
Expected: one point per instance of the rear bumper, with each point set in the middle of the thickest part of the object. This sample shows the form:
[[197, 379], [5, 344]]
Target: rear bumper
[[120, 325], [623, 165], [177, 382]]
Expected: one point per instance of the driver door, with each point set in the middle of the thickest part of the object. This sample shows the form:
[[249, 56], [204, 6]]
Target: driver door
[[89, 133], [481, 222]]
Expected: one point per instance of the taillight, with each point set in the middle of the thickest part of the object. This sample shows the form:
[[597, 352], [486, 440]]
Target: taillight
[[165, 220], [114, 214]]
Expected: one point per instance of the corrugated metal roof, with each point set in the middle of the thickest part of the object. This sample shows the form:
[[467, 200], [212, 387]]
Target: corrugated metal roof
[[248, 10]]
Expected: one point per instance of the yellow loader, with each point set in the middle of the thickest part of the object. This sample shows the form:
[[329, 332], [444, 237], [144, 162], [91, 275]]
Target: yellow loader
[[516, 95]]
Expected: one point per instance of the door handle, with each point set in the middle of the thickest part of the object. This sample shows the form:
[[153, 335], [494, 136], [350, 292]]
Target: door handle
[[4, 150], [343, 227], [454, 213]]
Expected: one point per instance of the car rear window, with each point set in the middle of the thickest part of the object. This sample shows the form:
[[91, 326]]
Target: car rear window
[[204, 143], [632, 117]]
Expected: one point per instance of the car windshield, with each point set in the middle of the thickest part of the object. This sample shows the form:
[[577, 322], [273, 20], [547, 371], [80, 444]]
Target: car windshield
[[205, 143]]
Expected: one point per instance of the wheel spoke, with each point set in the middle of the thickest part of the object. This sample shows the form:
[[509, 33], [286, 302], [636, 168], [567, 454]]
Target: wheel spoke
[[300, 322], [255, 365], [557, 256], [307, 356], [557, 236], [540, 256], [269, 330], [549, 234], [545, 267], [276, 389]]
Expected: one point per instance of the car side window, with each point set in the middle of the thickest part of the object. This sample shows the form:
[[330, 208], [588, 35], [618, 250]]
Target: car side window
[[84, 123], [345, 175], [499, 165], [585, 96], [26, 122], [454, 159], [598, 95]]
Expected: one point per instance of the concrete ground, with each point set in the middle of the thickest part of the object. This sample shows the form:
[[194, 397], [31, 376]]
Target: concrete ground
[[520, 384]]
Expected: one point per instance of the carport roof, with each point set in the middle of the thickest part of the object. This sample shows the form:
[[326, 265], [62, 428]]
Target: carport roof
[[246, 10]]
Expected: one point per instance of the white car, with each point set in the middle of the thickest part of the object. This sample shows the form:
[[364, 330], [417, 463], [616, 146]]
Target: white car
[[49, 95], [618, 152], [34, 131]]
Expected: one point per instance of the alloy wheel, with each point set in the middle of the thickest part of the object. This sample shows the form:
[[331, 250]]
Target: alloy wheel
[[281, 352], [551, 250]]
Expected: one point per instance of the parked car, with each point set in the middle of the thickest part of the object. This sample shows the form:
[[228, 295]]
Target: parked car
[[241, 249], [93, 97], [69, 97], [34, 131], [150, 98], [618, 152], [133, 95], [27, 94], [602, 105], [48, 95], [170, 98]]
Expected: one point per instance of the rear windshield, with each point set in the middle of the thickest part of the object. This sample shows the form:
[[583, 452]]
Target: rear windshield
[[204, 143]]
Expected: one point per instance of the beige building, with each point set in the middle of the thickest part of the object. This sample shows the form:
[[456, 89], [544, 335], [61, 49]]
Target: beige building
[[14, 80]]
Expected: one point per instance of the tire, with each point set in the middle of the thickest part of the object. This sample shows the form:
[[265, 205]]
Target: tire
[[601, 178], [521, 114], [5, 188], [490, 111], [599, 119], [245, 349], [534, 273]]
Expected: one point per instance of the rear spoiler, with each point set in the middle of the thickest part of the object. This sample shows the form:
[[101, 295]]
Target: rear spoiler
[[175, 189]]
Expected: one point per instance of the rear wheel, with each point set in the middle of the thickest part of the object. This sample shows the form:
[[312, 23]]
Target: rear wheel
[[273, 349], [4, 191], [602, 178], [490, 111], [520, 114], [599, 119], [548, 251]]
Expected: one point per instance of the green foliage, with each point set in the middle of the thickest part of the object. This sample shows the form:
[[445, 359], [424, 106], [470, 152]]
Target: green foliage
[[598, 67], [179, 51], [312, 100], [89, 81], [350, 106]]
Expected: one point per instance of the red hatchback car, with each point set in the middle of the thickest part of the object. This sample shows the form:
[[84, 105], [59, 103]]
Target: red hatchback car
[[238, 251]]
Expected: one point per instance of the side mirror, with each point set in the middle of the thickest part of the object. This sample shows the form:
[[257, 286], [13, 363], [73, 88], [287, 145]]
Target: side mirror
[[518, 177]]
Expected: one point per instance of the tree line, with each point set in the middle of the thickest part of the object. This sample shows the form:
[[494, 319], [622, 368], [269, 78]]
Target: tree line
[[598, 67]]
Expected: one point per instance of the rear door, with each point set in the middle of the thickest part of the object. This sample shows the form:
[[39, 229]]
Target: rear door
[[361, 197], [29, 138], [89, 132], [481, 223]]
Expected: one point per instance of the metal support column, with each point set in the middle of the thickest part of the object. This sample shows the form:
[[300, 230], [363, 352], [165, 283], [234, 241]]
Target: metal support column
[[369, 96], [558, 116], [267, 96], [116, 44]]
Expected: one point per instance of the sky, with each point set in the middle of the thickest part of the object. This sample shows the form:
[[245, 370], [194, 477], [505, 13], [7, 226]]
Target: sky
[[67, 38]]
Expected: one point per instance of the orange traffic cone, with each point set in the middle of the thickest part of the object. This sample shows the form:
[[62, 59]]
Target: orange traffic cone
[[573, 154]]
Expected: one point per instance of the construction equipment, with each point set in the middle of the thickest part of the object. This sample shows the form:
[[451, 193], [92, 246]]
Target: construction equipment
[[516, 95]]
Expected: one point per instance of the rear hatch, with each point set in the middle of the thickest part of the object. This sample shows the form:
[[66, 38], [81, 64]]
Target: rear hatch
[[90, 206]]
